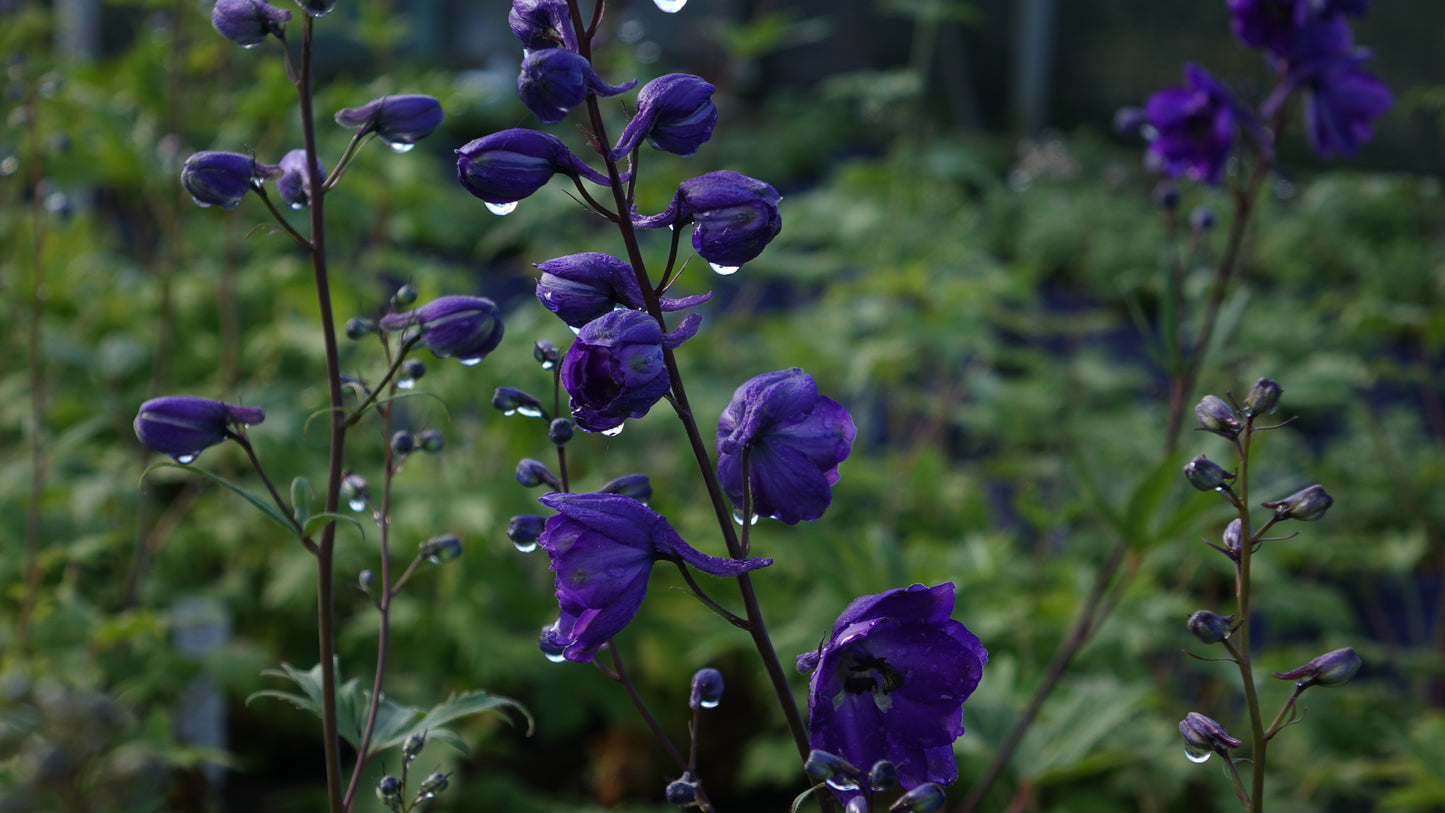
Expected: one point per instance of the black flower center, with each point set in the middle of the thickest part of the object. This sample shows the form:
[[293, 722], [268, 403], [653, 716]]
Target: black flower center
[[865, 673]]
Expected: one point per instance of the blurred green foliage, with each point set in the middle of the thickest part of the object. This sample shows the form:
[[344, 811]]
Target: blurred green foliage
[[986, 314]]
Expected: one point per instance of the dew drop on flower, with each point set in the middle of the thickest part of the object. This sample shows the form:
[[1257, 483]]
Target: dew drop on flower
[[614, 431], [547, 365], [471, 362], [187, 459], [555, 657], [510, 412], [525, 547], [297, 205], [401, 146], [842, 783], [709, 704], [670, 6], [724, 270], [501, 209], [1197, 755], [357, 504], [405, 383], [528, 411], [248, 46]]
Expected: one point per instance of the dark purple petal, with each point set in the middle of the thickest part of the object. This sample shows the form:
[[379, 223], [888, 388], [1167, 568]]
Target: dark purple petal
[[248, 22], [223, 178], [1341, 105], [295, 183], [510, 165], [182, 425], [398, 120], [615, 370], [1192, 128], [675, 113], [581, 287], [542, 24], [460, 327], [555, 80]]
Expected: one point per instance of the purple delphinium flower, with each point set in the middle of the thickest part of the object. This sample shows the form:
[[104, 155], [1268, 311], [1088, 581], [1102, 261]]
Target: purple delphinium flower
[[248, 22], [615, 369], [399, 120], [223, 178], [460, 327], [794, 439], [581, 287], [555, 80], [295, 182], [736, 216], [890, 683], [602, 548], [675, 113], [1341, 102], [1193, 128], [542, 24], [182, 426], [507, 166], [1268, 24]]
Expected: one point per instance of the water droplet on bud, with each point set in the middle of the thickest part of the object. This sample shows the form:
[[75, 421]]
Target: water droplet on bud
[[400, 146], [614, 431], [502, 209], [471, 362], [187, 459], [555, 657], [357, 504], [525, 547], [1197, 755], [670, 6], [724, 270]]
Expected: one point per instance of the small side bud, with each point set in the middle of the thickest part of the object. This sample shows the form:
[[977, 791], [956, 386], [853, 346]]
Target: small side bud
[[403, 442], [1166, 196], [1203, 736], [1306, 505], [430, 441], [823, 765], [412, 746], [1330, 669], [512, 401], [1263, 397], [925, 798], [366, 579], [1201, 219], [432, 785], [682, 792], [1206, 475], [883, 775], [388, 789], [546, 354], [1217, 417], [525, 529], [1208, 627], [560, 431], [404, 296], [1233, 537], [636, 486], [411, 370], [358, 328], [707, 689], [440, 549], [532, 473]]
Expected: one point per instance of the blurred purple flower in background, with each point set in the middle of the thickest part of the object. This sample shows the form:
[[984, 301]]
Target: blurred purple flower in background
[[248, 22], [1193, 128]]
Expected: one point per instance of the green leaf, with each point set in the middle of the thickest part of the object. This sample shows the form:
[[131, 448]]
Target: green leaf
[[255, 499], [300, 502], [1149, 494], [319, 521]]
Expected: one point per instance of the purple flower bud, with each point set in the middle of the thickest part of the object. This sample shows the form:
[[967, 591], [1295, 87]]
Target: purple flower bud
[[1306, 505], [403, 442], [681, 792], [460, 327], [440, 549], [1263, 397], [542, 24], [883, 775], [248, 22], [1330, 669], [510, 165], [707, 689], [736, 216], [1233, 537], [1206, 475], [223, 178], [560, 431], [615, 369], [295, 182], [1216, 416], [825, 766], [388, 789], [794, 439], [435, 783], [675, 113], [1128, 121], [524, 529], [532, 473], [925, 798], [1192, 128], [581, 287], [555, 80], [1208, 627], [182, 426], [546, 353], [359, 327], [512, 401], [400, 121], [636, 486], [1201, 219], [1203, 736]]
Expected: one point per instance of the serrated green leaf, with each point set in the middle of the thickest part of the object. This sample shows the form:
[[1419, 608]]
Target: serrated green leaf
[[255, 499]]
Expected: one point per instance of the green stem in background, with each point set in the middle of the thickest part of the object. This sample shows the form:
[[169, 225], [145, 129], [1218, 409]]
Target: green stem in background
[[325, 605], [1244, 604]]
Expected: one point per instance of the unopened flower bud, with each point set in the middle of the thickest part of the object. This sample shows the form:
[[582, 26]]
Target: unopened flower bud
[[466, 328], [1307, 505], [359, 328], [440, 549], [1330, 669], [1166, 195], [925, 798], [1233, 537], [636, 486], [560, 431], [403, 442], [506, 166], [707, 689], [1217, 417], [675, 113], [400, 121], [525, 529], [682, 792], [182, 425], [883, 775], [1208, 627], [1203, 736], [412, 369], [1263, 397], [430, 440], [355, 489], [555, 80], [1206, 475], [388, 789], [295, 182], [248, 22], [366, 579], [542, 24], [546, 354], [432, 785], [412, 746], [223, 178], [532, 473], [316, 8], [1201, 219], [514, 401], [825, 766], [1128, 121], [404, 296]]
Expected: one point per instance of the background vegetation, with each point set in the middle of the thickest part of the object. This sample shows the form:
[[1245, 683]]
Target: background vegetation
[[985, 305]]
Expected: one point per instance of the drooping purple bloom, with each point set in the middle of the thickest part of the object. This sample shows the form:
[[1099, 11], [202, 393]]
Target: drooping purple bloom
[[182, 426], [223, 178], [794, 439], [398, 120], [736, 216], [555, 80], [510, 165], [602, 548], [581, 287], [1268, 24], [295, 182], [675, 113], [1193, 128], [1342, 101], [460, 327], [615, 369], [890, 683], [542, 24], [248, 22]]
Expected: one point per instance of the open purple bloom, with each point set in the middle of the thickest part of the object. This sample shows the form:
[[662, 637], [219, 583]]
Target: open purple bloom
[[542, 24], [248, 22], [890, 683], [223, 178], [675, 113], [602, 548], [295, 183], [1342, 101], [736, 216], [182, 426], [581, 287], [1269, 24], [460, 327], [615, 370], [507, 166], [555, 80], [1193, 128], [399, 120], [794, 438]]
